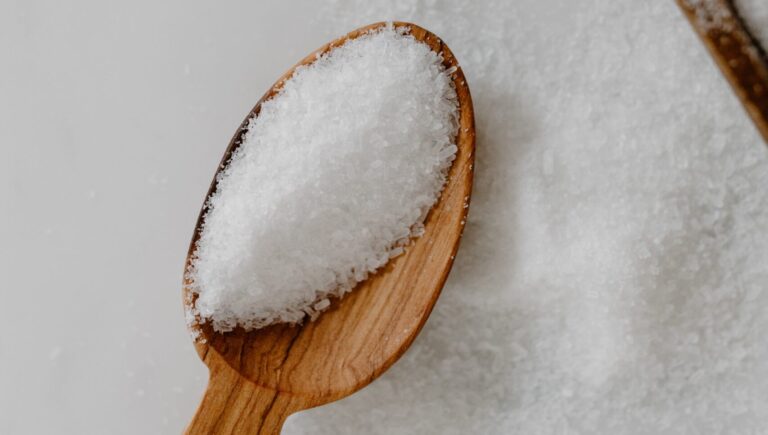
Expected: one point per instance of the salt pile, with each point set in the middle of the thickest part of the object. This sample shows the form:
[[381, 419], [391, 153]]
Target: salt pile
[[613, 277], [333, 177], [755, 15]]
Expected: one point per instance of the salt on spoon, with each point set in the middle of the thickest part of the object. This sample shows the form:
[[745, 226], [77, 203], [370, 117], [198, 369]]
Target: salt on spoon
[[260, 376], [331, 180]]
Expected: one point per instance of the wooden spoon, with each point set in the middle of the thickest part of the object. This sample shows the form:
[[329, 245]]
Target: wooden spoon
[[259, 378], [739, 56]]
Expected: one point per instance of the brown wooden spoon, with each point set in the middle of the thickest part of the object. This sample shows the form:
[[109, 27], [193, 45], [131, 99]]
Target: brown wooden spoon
[[739, 56], [259, 378]]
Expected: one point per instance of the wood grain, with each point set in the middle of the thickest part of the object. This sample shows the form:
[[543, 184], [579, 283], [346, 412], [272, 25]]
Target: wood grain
[[737, 53], [258, 378]]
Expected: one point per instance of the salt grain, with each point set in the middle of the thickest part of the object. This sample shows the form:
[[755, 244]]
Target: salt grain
[[333, 177], [616, 293]]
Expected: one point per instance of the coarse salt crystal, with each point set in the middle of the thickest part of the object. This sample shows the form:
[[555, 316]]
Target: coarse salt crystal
[[574, 308], [333, 177]]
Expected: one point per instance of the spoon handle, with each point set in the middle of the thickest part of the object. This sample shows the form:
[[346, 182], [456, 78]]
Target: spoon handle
[[235, 405]]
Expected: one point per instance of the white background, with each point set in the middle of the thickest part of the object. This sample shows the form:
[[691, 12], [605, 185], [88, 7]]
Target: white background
[[113, 117]]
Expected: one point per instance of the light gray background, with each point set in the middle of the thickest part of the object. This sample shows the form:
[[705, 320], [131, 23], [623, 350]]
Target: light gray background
[[113, 116]]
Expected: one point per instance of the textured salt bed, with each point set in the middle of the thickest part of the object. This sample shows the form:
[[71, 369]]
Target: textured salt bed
[[612, 278], [755, 15], [333, 177]]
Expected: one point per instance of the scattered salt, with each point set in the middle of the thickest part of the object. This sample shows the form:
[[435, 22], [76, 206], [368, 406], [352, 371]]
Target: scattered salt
[[54, 353], [396, 251], [547, 163], [626, 293], [710, 13], [333, 177]]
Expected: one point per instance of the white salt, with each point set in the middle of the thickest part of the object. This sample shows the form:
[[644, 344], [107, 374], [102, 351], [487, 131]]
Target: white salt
[[755, 16], [333, 177], [625, 292]]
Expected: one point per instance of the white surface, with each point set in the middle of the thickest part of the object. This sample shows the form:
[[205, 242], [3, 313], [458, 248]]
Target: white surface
[[113, 117]]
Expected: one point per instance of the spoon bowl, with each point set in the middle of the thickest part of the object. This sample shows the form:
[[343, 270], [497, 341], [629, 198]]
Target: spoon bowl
[[258, 378]]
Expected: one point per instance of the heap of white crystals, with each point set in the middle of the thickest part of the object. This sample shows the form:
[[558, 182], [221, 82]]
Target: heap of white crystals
[[755, 15], [333, 177], [613, 276]]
